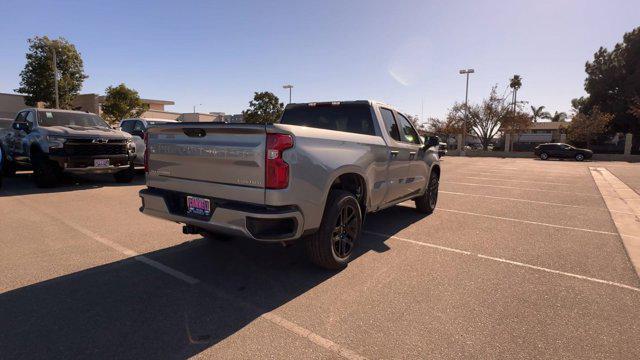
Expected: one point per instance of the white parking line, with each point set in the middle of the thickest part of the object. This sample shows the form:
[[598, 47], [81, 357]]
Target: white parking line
[[518, 188], [527, 201], [536, 171], [522, 181], [511, 174], [267, 315], [506, 261], [528, 222]]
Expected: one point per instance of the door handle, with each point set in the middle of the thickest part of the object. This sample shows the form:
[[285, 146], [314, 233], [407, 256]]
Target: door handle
[[394, 153]]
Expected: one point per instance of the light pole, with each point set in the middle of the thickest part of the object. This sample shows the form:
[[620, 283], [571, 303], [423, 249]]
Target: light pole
[[55, 76], [288, 87], [194, 108], [466, 110]]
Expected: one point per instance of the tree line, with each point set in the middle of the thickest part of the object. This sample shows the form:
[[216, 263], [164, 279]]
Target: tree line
[[611, 106]]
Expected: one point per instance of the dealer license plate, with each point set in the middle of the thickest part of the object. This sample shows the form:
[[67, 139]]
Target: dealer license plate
[[101, 163], [198, 206]]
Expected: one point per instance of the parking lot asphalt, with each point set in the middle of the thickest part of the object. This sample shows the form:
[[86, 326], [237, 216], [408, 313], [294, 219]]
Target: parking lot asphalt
[[521, 259]]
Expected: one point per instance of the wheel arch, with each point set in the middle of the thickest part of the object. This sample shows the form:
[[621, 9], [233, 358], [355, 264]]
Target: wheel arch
[[350, 179]]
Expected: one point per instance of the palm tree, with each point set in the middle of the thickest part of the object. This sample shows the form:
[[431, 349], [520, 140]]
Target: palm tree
[[559, 117], [515, 83], [539, 113]]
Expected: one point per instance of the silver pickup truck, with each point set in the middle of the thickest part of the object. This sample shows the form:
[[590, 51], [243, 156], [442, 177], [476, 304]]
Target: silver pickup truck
[[313, 175]]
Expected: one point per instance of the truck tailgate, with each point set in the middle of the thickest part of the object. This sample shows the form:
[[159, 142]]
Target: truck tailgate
[[218, 160]]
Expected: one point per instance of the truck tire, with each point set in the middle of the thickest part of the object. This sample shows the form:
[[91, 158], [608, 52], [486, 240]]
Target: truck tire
[[426, 203], [331, 247], [46, 173], [125, 176], [7, 167]]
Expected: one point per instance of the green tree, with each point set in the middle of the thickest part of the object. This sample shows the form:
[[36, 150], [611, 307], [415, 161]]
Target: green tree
[[558, 117], [539, 113], [265, 108], [122, 102], [613, 82], [37, 77], [585, 128], [515, 83]]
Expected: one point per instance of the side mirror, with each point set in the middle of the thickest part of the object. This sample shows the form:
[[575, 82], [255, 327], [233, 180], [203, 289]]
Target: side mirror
[[432, 141], [21, 126], [138, 133]]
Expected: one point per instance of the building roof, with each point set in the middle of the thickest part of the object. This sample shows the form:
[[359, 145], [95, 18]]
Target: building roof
[[146, 101], [548, 125]]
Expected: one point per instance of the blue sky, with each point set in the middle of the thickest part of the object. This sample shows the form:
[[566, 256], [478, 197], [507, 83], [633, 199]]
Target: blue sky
[[406, 53]]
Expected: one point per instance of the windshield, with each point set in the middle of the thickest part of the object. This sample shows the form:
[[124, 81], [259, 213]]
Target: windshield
[[55, 118], [355, 118], [155, 123]]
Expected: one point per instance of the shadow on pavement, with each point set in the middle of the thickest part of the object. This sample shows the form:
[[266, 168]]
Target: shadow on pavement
[[22, 183], [127, 309]]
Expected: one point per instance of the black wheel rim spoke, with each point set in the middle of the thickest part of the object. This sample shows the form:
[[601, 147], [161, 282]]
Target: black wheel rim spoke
[[344, 234]]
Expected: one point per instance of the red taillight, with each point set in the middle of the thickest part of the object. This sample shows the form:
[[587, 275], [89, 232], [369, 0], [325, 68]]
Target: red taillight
[[277, 170], [146, 152]]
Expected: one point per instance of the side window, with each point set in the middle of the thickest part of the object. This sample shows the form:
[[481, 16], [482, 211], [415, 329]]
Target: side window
[[127, 126], [409, 134], [139, 126], [21, 117], [31, 118], [390, 123]]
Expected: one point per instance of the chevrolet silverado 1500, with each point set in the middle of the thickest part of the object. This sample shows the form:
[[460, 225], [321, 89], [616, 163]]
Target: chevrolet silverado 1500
[[312, 176], [55, 141]]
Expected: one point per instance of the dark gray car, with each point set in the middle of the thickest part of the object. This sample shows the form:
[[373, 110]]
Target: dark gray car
[[55, 141]]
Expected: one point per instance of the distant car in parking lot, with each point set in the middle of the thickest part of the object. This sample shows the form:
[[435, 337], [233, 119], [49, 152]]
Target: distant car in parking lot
[[442, 149], [561, 151], [137, 127]]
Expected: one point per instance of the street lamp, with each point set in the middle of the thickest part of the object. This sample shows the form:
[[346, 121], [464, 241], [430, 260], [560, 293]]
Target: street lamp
[[466, 110], [288, 87], [194, 108]]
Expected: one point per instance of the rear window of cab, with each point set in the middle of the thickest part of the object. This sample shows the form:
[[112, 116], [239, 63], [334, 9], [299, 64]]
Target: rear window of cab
[[354, 118]]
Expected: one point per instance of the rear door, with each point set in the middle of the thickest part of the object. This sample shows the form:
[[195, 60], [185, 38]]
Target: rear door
[[139, 129], [17, 142], [399, 158], [418, 170], [218, 160]]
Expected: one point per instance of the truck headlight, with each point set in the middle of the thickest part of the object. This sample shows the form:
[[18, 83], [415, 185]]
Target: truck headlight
[[55, 142], [131, 145]]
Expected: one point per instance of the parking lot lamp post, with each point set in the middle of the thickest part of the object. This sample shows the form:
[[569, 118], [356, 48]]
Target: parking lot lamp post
[[466, 110], [288, 86], [55, 76]]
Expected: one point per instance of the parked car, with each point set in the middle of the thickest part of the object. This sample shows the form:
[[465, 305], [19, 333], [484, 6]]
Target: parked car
[[561, 151], [313, 175], [55, 141], [442, 149], [137, 127]]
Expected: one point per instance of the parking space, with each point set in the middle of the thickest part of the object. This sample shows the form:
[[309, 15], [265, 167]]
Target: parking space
[[521, 259]]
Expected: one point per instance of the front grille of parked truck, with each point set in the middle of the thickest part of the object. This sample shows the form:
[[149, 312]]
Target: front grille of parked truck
[[90, 147]]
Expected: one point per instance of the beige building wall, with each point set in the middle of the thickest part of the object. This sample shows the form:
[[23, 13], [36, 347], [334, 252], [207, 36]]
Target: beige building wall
[[87, 102], [155, 106], [198, 117], [10, 104], [155, 114]]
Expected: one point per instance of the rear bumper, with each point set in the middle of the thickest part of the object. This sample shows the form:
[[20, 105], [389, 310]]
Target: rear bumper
[[261, 223]]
